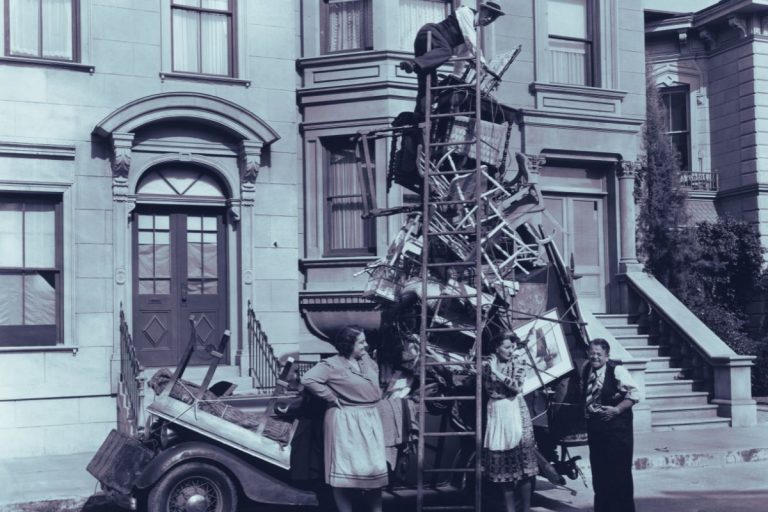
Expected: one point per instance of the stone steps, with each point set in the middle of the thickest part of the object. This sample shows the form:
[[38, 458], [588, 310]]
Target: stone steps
[[663, 387], [662, 363], [610, 319], [691, 424], [665, 374], [675, 399], [677, 412]]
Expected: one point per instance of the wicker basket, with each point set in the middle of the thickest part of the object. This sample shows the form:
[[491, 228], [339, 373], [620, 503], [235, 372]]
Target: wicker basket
[[493, 139]]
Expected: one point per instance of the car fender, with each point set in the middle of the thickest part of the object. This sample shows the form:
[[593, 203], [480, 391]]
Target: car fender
[[256, 484]]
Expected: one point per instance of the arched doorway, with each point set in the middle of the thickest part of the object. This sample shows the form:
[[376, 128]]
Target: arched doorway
[[179, 255]]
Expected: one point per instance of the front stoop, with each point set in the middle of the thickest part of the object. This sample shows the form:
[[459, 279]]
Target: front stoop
[[676, 402]]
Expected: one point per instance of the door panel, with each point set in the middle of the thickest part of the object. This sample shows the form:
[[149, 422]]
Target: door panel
[[577, 226], [179, 262]]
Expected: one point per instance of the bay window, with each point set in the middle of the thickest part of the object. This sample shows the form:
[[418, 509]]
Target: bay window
[[346, 25], [346, 233], [676, 102], [570, 42]]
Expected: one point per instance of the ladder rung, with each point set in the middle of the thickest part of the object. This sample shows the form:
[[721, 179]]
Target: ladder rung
[[450, 363], [455, 143], [446, 203], [448, 507], [447, 173], [452, 232], [457, 296], [452, 264], [452, 86], [448, 329], [450, 470], [448, 434], [447, 398], [453, 114]]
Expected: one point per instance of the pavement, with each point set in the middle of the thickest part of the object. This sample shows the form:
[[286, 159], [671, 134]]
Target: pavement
[[705, 470]]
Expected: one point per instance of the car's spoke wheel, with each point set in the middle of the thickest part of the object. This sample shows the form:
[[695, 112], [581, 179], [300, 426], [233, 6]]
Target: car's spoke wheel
[[193, 487]]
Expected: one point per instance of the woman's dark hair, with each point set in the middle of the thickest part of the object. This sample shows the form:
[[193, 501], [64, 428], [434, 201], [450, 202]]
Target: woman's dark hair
[[345, 339], [600, 342], [497, 340]]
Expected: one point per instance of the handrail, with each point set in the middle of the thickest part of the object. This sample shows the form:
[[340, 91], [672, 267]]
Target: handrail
[[727, 374], [665, 304], [131, 380], [264, 367]]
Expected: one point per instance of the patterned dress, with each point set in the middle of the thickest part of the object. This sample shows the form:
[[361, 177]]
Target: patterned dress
[[519, 462]]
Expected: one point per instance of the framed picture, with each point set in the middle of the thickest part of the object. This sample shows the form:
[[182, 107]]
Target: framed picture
[[547, 351]]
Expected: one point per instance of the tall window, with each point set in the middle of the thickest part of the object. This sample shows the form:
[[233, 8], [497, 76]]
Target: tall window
[[676, 103], [42, 29], [346, 25], [414, 14], [346, 233], [570, 42], [202, 36], [30, 271]]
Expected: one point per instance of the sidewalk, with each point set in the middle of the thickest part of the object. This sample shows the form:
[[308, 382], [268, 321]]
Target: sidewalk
[[61, 483]]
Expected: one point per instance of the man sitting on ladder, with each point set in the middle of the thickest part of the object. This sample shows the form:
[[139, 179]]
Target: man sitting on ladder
[[456, 32]]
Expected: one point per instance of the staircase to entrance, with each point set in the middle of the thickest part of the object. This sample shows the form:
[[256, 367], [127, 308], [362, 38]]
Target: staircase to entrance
[[677, 398]]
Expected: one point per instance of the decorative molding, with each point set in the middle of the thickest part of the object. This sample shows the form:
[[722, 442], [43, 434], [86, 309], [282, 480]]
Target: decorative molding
[[250, 160], [30, 150], [122, 144], [710, 41], [627, 169], [536, 162], [740, 24], [63, 64], [165, 75]]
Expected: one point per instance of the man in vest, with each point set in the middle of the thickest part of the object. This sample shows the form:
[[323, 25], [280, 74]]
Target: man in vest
[[609, 393], [454, 35]]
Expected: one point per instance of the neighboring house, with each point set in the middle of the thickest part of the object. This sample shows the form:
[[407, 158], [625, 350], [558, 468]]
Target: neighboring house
[[148, 163], [154, 164]]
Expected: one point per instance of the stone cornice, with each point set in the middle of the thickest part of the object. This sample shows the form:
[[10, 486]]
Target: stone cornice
[[33, 150], [744, 190]]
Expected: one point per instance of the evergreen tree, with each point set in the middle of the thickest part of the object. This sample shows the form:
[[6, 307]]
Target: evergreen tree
[[665, 244]]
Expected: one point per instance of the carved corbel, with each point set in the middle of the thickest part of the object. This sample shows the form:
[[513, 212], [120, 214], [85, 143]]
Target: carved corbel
[[740, 24], [628, 168], [710, 41], [682, 38], [764, 25], [122, 143], [250, 161]]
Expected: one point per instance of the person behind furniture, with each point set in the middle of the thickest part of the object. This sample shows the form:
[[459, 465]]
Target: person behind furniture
[[355, 463], [457, 32], [509, 456], [609, 392]]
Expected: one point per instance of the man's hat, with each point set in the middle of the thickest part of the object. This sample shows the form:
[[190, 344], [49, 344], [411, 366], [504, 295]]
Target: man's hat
[[492, 7]]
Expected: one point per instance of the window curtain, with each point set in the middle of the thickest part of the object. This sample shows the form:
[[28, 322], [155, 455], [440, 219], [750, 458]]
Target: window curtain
[[414, 14], [215, 43], [186, 27], [57, 29], [24, 27], [346, 22], [346, 229], [28, 239]]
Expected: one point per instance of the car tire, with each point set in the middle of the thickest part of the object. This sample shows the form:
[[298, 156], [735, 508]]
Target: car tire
[[193, 487]]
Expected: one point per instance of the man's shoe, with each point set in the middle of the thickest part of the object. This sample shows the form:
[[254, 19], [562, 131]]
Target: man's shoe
[[408, 66]]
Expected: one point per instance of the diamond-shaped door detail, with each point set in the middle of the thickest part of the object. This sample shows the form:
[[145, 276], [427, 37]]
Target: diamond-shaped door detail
[[204, 329], [155, 330]]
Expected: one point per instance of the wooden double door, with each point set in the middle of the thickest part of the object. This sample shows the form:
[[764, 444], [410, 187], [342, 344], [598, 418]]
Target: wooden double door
[[179, 263], [577, 224]]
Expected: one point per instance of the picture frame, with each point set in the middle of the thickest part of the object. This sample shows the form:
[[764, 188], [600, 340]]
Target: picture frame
[[547, 351]]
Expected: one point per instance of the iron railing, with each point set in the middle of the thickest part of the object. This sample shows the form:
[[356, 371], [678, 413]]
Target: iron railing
[[131, 385], [264, 367], [706, 181]]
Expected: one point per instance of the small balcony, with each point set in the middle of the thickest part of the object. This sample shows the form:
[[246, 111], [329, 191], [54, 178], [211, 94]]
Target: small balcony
[[703, 181]]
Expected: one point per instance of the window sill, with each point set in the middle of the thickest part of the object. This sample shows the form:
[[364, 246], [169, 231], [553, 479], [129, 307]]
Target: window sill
[[203, 78], [74, 66], [42, 348], [336, 261]]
